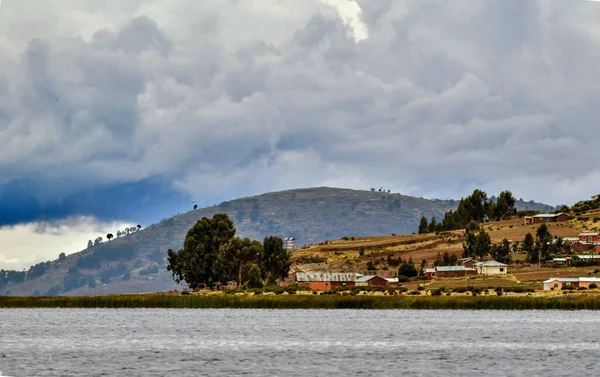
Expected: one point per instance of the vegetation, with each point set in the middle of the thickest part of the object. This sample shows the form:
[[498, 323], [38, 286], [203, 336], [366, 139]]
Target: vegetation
[[474, 208], [212, 254], [281, 301]]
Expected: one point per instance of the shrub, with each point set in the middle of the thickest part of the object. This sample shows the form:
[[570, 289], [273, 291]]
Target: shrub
[[582, 289], [402, 278], [596, 271], [420, 288], [414, 293], [436, 292], [361, 251], [475, 291], [593, 286]]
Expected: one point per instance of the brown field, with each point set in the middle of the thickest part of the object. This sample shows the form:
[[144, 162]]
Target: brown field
[[343, 255]]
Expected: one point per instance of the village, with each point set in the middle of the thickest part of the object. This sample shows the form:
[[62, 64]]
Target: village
[[571, 268]]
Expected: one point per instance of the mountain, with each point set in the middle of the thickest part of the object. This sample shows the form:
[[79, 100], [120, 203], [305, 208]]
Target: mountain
[[136, 262]]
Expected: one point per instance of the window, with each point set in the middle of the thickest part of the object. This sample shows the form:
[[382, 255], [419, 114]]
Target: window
[[555, 285], [501, 269]]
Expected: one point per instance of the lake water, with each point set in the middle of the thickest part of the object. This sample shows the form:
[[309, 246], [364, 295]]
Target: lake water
[[154, 342]]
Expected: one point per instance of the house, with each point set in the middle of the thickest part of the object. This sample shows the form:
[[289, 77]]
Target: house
[[527, 220], [559, 283], [449, 272], [325, 281], [289, 244], [589, 237], [468, 262], [371, 281], [491, 268], [550, 218], [430, 273]]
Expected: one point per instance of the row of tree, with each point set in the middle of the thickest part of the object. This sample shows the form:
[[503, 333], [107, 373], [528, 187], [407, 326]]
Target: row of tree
[[475, 207], [120, 233], [211, 253]]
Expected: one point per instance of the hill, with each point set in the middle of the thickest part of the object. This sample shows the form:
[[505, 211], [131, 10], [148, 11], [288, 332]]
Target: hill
[[136, 262]]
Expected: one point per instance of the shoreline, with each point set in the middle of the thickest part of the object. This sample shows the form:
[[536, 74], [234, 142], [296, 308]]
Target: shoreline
[[169, 301]]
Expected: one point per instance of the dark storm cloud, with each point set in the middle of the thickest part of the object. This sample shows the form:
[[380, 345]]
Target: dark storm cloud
[[224, 99]]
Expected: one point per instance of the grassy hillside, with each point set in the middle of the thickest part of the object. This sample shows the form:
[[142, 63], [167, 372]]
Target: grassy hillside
[[135, 263]]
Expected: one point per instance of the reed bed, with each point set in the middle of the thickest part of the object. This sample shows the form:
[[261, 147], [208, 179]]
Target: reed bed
[[570, 302]]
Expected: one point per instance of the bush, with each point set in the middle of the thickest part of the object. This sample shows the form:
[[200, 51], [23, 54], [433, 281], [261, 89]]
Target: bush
[[596, 271], [274, 289], [475, 291], [420, 288], [402, 279], [414, 293], [361, 251], [593, 286], [582, 289], [436, 292]]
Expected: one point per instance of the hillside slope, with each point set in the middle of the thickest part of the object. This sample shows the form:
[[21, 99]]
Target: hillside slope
[[135, 263]]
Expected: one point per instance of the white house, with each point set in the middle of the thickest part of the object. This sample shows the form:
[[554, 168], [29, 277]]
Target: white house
[[491, 268]]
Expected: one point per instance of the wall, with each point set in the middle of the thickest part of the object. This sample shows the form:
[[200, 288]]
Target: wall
[[490, 270]]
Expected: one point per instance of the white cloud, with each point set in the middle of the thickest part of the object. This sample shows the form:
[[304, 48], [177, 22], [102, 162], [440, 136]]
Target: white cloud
[[27, 244]]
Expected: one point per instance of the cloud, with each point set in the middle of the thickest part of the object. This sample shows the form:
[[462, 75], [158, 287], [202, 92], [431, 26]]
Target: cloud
[[219, 99], [27, 244]]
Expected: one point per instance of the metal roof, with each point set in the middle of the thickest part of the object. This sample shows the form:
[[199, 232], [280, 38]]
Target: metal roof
[[326, 276], [453, 268], [544, 215], [589, 256], [491, 263], [364, 279], [429, 270], [573, 280], [585, 234]]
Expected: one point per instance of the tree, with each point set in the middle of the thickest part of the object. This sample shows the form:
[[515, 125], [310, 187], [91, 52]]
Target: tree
[[62, 257], [97, 241], [109, 236], [119, 233], [253, 277], [432, 225], [505, 206], [195, 263], [527, 247], [501, 252], [235, 255], [139, 226], [275, 263], [195, 206], [423, 225], [90, 244], [543, 240], [477, 244], [408, 269]]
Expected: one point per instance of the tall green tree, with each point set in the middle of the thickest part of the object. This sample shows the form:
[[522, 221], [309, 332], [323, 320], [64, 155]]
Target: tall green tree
[[423, 225], [543, 241], [528, 247], [477, 242], [432, 225], [275, 263], [505, 206], [235, 255], [195, 263]]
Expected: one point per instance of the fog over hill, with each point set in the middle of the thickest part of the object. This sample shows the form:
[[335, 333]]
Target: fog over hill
[[136, 262]]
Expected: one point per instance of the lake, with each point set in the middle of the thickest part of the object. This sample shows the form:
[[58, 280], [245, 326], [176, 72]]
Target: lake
[[164, 342]]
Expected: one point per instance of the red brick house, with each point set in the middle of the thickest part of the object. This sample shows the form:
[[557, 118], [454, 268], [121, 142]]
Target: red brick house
[[449, 272], [371, 281], [549, 218], [589, 237]]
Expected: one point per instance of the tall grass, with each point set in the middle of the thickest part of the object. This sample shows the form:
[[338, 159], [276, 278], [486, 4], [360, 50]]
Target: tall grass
[[575, 302]]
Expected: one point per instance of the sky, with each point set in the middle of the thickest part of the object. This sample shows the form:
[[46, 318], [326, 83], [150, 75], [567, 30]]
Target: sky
[[119, 112]]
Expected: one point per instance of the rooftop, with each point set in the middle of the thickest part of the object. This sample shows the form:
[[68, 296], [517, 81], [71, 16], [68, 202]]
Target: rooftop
[[364, 279], [453, 268], [491, 263], [326, 276], [573, 280], [546, 215]]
